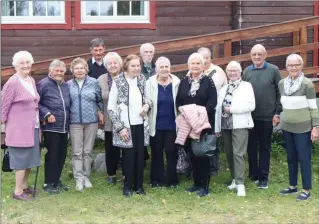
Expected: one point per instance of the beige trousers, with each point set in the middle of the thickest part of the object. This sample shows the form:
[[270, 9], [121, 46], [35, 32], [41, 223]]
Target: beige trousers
[[82, 141]]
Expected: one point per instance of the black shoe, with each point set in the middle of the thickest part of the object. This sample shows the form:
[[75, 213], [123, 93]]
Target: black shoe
[[192, 189], [62, 187], [127, 193], [140, 191], [51, 189], [202, 192], [111, 180], [155, 184], [303, 196], [263, 184], [289, 191], [172, 185]]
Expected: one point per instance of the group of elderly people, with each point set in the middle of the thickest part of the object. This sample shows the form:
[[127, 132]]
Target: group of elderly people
[[137, 102]]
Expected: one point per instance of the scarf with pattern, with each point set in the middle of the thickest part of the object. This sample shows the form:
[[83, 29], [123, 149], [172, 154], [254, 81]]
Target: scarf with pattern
[[293, 85], [195, 84], [229, 95]]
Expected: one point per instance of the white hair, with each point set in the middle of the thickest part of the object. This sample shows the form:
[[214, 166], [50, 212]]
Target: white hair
[[146, 45], [56, 63], [22, 55], [162, 59], [115, 55], [259, 46], [234, 64], [195, 55], [294, 56], [205, 49]]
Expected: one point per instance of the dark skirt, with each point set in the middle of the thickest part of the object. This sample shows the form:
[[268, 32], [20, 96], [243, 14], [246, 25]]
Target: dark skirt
[[22, 158]]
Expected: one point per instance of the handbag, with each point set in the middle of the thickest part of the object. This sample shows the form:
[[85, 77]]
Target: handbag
[[6, 162], [182, 161], [205, 146]]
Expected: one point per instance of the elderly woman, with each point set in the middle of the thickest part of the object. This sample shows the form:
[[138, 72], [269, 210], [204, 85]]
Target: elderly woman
[[20, 115], [197, 88], [236, 101], [85, 113], [162, 90], [54, 109], [128, 107], [299, 122], [113, 63]]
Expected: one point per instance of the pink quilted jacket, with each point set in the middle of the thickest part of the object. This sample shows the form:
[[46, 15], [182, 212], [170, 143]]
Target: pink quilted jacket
[[192, 120]]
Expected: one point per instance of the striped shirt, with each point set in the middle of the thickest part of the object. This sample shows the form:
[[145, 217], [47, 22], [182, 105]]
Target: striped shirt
[[300, 112]]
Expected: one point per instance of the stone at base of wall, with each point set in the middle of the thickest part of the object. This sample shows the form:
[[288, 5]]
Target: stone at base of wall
[[99, 164]]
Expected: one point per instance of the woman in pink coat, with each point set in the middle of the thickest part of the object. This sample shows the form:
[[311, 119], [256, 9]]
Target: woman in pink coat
[[20, 115]]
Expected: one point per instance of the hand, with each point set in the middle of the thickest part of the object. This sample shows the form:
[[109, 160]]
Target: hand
[[227, 109], [124, 135], [218, 134], [101, 117], [275, 120], [314, 134], [51, 119], [144, 110]]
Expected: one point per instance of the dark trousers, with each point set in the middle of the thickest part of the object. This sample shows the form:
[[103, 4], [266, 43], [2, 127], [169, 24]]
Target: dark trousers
[[299, 147], [259, 135], [56, 144], [112, 154], [133, 159], [164, 140], [214, 160]]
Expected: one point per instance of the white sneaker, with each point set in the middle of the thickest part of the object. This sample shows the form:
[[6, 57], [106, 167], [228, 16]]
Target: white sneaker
[[87, 183], [233, 185], [79, 186], [241, 192]]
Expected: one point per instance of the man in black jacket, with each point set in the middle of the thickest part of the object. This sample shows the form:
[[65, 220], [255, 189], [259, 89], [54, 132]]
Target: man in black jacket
[[147, 51], [96, 66]]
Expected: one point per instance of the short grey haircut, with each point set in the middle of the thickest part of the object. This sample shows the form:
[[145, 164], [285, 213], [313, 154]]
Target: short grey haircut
[[146, 45], [294, 56], [97, 42], [56, 63], [22, 55], [195, 55], [234, 64], [162, 59], [204, 49], [115, 55]]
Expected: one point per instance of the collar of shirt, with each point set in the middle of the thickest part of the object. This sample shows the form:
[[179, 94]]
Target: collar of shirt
[[98, 63], [264, 66], [209, 70]]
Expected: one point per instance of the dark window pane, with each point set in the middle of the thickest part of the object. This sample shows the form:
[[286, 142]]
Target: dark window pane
[[137, 8], [106, 8], [123, 8], [8, 8], [91, 8], [22, 8], [54, 8], [39, 8]]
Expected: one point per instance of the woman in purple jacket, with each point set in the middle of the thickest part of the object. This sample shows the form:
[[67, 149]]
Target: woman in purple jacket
[[54, 115], [20, 115]]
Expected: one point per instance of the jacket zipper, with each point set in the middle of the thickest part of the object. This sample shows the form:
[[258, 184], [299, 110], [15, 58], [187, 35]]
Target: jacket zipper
[[80, 98], [63, 107]]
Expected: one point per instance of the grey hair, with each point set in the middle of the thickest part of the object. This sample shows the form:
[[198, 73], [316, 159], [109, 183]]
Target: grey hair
[[96, 42], [162, 59], [115, 55], [22, 55], [204, 49], [195, 55], [234, 64], [294, 56], [146, 45], [56, 63]]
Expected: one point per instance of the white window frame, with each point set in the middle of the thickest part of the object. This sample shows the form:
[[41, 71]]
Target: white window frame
[[36, 19], [116, 19]]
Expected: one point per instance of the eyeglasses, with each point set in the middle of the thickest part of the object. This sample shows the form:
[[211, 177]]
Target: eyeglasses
[[294, 66]]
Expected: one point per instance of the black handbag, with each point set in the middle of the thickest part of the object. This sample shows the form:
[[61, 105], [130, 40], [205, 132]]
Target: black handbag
[[6, 162], [205, 146], [182, 161]]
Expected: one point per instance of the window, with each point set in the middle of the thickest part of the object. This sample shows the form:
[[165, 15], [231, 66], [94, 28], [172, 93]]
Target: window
[[115, 14]]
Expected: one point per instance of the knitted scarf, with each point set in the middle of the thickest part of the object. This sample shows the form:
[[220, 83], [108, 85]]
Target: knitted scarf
[[229, 95], [293, 85]]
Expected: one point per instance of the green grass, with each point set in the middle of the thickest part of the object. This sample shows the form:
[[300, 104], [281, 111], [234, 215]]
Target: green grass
[[105, 204]]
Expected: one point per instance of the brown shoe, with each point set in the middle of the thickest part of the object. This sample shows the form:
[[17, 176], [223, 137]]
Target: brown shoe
[[22, 197], [30, 190]]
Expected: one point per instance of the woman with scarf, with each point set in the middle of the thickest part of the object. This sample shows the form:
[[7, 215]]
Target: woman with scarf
[[113, 63], [236, 101], [299, 122], [197, 88]]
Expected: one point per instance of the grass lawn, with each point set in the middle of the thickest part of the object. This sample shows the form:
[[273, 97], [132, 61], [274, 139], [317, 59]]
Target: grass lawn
[[105, 204]]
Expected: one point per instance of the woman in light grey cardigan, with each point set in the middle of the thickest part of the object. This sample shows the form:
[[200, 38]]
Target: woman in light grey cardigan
[[113, 63]]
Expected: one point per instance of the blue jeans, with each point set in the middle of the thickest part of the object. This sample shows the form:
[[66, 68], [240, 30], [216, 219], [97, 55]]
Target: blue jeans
[[298, 147]]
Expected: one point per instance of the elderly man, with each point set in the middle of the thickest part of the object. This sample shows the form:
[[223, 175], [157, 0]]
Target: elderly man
[[219, 77], [96, 66], [147, 51], [264, 78]]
